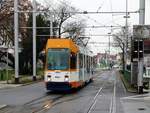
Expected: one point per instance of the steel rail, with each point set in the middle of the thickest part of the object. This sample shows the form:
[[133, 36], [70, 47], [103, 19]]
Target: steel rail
[[95, 98]]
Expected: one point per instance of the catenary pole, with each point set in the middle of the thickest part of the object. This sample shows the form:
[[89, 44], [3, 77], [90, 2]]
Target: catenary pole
[[51, 27], [16, 41], [126, 35], [142, 12], [140, 63], [34, 40]]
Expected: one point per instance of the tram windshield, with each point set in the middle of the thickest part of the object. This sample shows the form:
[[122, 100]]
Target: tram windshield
[[58, 59]]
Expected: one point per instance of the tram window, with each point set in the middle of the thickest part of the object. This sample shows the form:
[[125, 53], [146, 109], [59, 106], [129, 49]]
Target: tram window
[[80, 60], [73, 60], [85, 62], [54, 59], [88, 64]]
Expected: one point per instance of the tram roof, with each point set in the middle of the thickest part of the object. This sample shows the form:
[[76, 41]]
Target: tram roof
[[62, 43], [68, 43]]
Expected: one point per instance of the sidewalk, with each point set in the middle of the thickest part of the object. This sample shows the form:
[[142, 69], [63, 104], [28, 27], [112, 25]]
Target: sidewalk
[[3, 85], [23, 81], [136, 104]]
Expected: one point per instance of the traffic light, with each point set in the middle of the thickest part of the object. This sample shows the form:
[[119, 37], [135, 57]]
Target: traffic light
[[140, 49], [135, 49]]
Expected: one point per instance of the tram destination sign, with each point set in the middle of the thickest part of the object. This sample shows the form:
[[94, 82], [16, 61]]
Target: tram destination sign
[[141, 31]]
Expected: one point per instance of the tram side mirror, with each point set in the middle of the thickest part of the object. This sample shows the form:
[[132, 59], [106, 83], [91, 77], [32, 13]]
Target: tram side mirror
[[42, 56]]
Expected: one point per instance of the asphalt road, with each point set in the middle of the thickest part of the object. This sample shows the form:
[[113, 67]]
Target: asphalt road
[[101, 96]]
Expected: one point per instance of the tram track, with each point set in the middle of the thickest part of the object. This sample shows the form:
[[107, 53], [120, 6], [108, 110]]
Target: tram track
[[112, 108], [59, 100], [47, 102], [113, 99], [53, 102], [94, 100]]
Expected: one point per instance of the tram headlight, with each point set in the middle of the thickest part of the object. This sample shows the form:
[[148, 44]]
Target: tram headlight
[[66, 78], [48, 77]]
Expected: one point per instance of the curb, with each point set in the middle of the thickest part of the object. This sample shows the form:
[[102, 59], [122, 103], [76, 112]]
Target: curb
[[31, 83], [3, 106], [20, 85], [126, 84]]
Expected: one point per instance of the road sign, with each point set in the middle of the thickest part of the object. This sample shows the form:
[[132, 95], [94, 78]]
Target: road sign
[[147, 72]]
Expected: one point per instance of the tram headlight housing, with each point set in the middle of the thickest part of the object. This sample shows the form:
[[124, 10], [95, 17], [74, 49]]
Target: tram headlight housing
[[66, 78], [49, 78]]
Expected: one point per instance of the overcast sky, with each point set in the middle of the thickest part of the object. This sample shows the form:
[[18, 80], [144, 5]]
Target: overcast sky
[[107, 19]]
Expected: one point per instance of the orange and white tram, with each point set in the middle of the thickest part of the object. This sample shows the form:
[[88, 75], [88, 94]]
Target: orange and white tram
[[67, 66]]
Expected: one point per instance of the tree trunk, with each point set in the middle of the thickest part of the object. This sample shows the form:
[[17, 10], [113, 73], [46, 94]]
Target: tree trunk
[[59, 30], [123, 59]]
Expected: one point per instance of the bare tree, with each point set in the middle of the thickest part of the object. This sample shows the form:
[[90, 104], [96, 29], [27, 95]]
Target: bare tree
[[7, 24], [123, 43], [74, 29], [120, 43], [60, 13], [122, 36], [7, 18], [65, 12]]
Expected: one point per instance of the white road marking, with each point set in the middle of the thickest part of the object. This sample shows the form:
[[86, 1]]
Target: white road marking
[[136, 97], [94, 100], [114, 97], [111, 104], [112, 108]]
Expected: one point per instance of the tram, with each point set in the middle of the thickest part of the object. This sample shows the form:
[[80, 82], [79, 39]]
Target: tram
[[67, 66]]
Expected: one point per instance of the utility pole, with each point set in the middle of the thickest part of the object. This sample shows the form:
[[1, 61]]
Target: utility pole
[[106, 56], [126, 34], [140, 63], [126, 30], [109, 49], [16, 41], [51, 27], [34, 40], [142, 12], [109, 46]]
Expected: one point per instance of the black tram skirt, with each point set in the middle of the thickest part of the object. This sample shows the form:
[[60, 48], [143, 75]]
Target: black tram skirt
[[58, 86]]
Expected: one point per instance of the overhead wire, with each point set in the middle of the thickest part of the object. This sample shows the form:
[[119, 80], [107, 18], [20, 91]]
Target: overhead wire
[[94, 20], [100, 6]]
